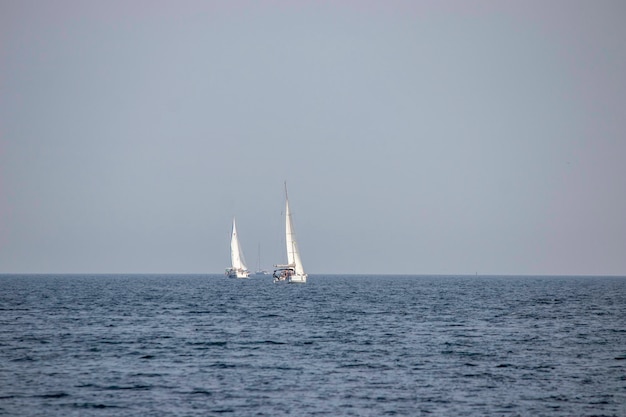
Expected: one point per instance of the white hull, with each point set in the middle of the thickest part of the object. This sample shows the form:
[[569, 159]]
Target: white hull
[[231, 273], [297, 279], [285, 274]]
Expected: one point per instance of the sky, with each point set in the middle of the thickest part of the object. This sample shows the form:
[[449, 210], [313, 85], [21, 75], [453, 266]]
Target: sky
[[431, 137]]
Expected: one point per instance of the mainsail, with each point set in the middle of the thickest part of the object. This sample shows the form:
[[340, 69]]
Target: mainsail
[[236, 254], [293, 255]]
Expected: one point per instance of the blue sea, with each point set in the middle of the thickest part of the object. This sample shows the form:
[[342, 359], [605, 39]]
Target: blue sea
[[340, 345]]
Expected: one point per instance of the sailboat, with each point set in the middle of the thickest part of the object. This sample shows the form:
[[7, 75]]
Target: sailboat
[[292, 272], [260, 271], [238, 268]]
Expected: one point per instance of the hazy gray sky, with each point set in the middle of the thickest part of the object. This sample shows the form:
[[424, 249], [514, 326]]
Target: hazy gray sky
[[416, 137]]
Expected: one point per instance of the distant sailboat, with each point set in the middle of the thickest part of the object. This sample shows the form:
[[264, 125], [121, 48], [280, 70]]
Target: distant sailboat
[[238, 268], [260, 271], [293, 272]]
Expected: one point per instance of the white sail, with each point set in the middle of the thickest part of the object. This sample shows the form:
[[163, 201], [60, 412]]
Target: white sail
[[293, 255], [238, 269]]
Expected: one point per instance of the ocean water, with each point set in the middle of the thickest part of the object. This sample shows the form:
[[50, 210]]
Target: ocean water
[[204, 345]]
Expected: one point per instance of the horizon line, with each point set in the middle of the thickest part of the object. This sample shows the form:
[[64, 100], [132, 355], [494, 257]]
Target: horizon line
[[331, 273]]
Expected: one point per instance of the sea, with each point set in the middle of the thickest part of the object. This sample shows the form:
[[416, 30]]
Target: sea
[[339, 345]]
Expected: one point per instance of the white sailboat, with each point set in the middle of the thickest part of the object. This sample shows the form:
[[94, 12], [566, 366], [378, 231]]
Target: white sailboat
[[292, 272], [260, 271], [238, 268]]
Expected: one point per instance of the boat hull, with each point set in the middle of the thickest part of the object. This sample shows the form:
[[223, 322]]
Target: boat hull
[[297, 279], [233, 273], [285, 276]]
